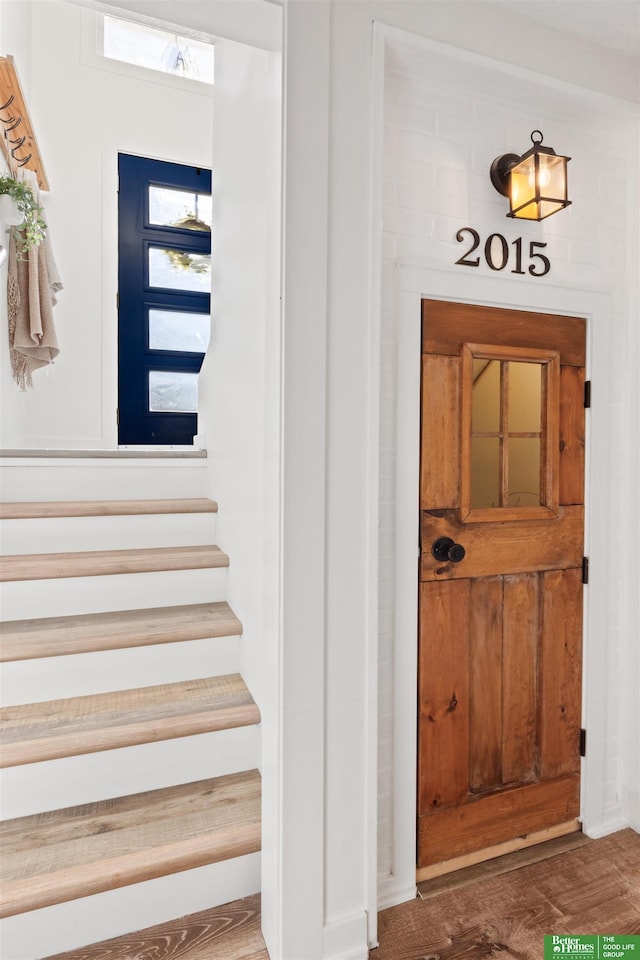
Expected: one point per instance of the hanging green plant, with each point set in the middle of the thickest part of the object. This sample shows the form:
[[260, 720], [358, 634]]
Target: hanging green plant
[[33, 227]]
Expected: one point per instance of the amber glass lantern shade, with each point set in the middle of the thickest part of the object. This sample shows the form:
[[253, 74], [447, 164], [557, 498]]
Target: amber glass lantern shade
[[535, 183]]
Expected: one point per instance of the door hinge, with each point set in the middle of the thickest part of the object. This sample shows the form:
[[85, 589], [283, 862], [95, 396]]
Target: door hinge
[[587, 393], [118, 417], [118, 300], [585, 569], [583, 743]]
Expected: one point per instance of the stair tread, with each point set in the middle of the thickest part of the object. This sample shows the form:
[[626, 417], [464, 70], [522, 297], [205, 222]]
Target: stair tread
[[33, 732], [64, 854], [90, 563], [231, 931], [58, 636], [103, 508]]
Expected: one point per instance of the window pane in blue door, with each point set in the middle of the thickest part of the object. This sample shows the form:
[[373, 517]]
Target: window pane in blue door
[[171, 392], [179, 269], [177, 330], [179, 208]]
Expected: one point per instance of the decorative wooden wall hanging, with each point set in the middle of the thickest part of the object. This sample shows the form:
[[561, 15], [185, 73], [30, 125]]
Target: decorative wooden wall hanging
[[16, 130]]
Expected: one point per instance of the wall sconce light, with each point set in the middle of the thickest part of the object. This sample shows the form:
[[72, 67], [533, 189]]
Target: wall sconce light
[[536, 182]]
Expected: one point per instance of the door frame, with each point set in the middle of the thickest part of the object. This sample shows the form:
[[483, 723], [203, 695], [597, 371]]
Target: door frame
[[414, 284]]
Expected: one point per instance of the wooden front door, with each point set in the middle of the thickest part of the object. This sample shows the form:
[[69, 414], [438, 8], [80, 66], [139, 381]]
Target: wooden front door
[[500, 668]]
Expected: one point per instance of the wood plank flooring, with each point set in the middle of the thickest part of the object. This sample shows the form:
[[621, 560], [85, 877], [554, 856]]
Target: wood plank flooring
[[104, 563], [231, 932], [592, 889], [575, 886], [25, 510], [31, 732], [60, 855], [86, 633]]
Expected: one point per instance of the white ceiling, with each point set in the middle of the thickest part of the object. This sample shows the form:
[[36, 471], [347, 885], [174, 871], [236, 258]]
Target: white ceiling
[[608, 23]]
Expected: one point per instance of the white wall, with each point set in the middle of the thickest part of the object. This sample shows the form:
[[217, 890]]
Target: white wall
[[240, 384], [630, 417], [15, 21], [84, 116], [14, 39], [340, 448], [446, 116], [239, 392]]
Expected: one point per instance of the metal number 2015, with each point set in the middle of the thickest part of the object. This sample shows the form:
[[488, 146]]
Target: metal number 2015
[[496, 253]]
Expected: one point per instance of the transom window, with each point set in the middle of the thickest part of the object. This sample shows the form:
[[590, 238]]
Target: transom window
[[153, 49]]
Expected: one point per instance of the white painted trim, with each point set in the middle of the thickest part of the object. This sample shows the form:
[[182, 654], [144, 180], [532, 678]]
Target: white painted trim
[[251, 23], [92, 46], [373, 492], [293, 905], [604, 100], [391, 892], [611, 821], [104, 459], [109, 284], [407, 505], [344, 939], [630, 719]]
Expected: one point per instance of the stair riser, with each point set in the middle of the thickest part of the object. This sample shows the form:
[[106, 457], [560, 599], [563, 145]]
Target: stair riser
[[54, 678], [55, 598], [69, 781], [91, 919], [54, 535], [33, 789], [44, 479]]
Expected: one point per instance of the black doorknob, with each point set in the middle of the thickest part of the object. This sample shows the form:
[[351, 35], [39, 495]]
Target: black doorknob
[[444, 548]]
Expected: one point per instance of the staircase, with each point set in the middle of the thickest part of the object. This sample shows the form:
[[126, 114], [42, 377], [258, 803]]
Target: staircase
[[129, 741]]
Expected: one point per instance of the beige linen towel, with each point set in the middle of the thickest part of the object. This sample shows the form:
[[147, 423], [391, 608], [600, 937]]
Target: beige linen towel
[[31, 292]]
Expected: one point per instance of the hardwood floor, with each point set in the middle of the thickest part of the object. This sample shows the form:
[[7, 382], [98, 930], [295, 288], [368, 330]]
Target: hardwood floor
[[594, 888], [500, 909], [231, 932]]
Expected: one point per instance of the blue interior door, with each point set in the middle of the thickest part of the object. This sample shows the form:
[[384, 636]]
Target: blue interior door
[[164, 284]]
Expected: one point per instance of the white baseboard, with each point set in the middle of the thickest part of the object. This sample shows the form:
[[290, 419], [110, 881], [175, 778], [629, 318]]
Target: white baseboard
[[346, 938], [612, 820], [392, 891]]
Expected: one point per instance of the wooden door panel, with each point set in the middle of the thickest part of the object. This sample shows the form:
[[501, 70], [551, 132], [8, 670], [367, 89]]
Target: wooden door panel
[[561, 671], [521, 605], [440, 478], [571, 435], [485, 703], [496, 548], [487, 821], [501, 630], [444, 695], [446, 326]]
